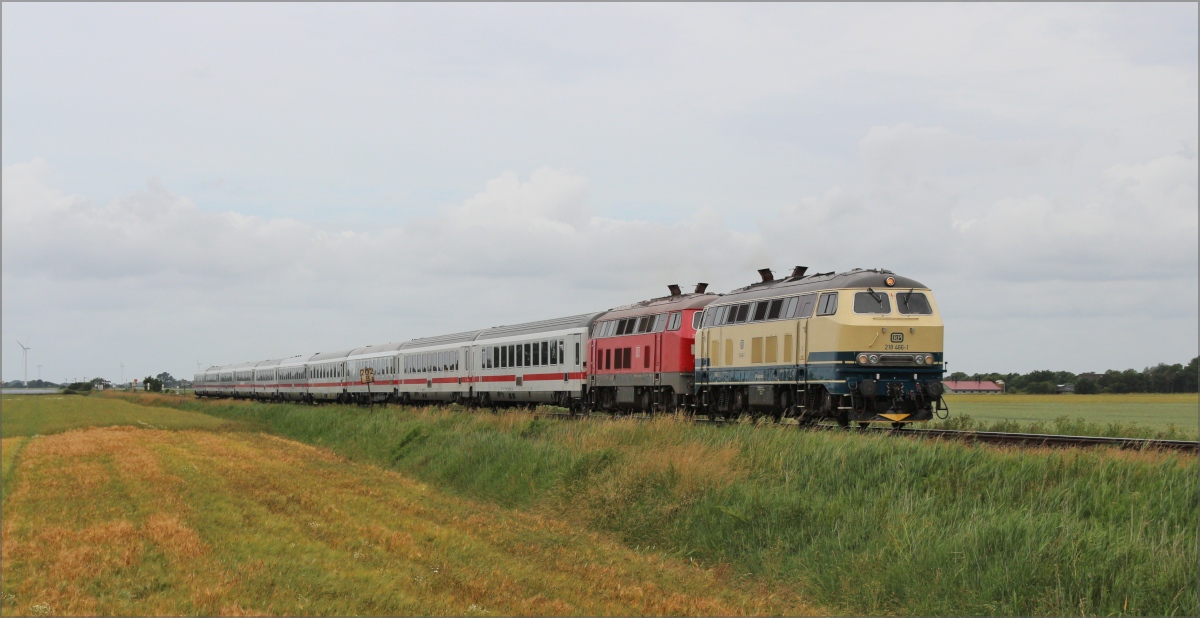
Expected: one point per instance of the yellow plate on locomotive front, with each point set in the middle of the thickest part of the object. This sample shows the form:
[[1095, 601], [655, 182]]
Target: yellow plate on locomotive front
[[895, 417]]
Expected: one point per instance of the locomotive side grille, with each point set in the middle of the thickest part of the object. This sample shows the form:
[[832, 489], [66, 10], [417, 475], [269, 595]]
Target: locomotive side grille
[[896, 359]]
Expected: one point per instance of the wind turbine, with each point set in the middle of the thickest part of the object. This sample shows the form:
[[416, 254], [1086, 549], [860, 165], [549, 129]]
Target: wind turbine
[[25, 357]]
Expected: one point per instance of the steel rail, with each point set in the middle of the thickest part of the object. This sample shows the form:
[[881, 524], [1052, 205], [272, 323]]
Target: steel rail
[[988, 437], [1053, 440]]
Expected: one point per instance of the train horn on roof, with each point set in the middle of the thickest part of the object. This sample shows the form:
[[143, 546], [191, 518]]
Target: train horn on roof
[[766, 274], [798, 271], [675, 291], [700, 287]]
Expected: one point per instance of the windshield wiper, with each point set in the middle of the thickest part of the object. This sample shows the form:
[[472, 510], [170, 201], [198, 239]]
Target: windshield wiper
[[876, 297], [907, 297]]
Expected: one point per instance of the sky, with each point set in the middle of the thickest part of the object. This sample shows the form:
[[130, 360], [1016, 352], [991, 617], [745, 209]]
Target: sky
[[195, 184]]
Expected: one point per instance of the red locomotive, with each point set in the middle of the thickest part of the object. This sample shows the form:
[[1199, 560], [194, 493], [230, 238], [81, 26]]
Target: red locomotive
[[642, 357]]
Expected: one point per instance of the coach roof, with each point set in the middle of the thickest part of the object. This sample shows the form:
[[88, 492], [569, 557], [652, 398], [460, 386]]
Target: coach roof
[[857, 278], [378, 348], [328, 356], [529, 328]]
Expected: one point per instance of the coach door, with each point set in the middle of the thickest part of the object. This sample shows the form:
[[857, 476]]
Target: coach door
[[465, 369]]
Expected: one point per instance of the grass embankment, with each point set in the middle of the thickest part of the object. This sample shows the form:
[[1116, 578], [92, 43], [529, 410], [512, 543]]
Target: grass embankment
[[121, 520], [858, 524], [1137, 415]]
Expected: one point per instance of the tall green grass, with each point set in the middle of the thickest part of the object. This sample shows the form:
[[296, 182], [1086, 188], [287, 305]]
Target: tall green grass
[[860, 524]]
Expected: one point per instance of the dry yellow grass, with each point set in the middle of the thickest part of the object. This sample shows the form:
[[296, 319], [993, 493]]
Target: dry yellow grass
[[134, 521]]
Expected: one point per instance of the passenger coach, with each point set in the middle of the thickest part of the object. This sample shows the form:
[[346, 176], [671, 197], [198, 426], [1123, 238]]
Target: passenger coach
[[864, 345]]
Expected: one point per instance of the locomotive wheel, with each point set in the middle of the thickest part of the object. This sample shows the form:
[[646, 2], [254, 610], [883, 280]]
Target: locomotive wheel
[[898, 425]]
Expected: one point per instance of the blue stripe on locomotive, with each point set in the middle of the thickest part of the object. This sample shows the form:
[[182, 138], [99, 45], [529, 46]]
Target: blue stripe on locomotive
[[838, 372]]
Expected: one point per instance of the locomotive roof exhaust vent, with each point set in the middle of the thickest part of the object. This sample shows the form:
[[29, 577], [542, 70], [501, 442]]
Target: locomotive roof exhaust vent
[[700, 287], [766, 274], [798, 272], [675, 291]]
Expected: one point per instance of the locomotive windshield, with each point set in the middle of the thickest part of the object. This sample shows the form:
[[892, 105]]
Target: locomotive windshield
[[913, 302], [872, 302]]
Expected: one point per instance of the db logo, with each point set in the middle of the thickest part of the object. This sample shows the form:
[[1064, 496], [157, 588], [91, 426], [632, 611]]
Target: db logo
[[897, 337]]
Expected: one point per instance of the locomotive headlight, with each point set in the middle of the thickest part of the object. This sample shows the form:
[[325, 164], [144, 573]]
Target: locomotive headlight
[[928, 359], [873, 359], [862, 359], [920, 359]]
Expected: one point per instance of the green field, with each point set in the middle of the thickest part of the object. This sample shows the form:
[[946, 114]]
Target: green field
[[1137, 415], [28, 415], [856, 524]]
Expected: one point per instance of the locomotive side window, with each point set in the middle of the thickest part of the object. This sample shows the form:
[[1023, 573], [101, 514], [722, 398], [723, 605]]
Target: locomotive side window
[[774, 310], [789, 307], [646, 358], [872, 302], [661, 323], [828, 304], [674, 320], [804, 306], [743, 312], [913, 303], [608, 358], [760, 311], [695, 321]]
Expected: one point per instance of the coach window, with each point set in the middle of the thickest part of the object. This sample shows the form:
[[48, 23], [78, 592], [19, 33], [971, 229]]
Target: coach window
[[913, 303], [872, 302], [537, 355], [760, 310], [553, 352], [828, 304], [576, 353]]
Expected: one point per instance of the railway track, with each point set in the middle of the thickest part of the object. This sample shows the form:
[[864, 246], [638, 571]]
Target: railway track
[[987, 437]]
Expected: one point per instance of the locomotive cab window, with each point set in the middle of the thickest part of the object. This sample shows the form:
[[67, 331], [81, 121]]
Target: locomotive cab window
[[913, 303], [695, 321], [872, 302]]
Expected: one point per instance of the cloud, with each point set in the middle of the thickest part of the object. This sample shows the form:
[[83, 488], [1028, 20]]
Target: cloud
[[1140, 222]]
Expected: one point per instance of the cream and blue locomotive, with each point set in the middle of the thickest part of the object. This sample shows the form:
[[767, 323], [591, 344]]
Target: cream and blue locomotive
[[861, 346]]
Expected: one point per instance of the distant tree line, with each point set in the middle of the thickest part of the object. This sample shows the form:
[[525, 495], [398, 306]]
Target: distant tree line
[[1161, 378]]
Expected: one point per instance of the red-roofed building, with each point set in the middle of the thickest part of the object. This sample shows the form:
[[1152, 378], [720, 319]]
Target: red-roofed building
[[978, 387]]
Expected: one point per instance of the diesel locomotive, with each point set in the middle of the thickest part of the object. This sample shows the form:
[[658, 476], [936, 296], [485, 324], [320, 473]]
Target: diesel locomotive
[[862, 346]]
